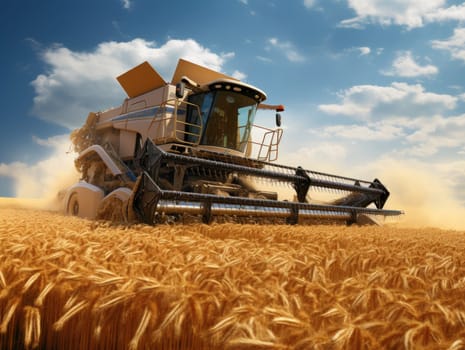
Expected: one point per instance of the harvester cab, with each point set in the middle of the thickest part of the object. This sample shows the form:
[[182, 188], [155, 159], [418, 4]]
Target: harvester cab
[[190, 148], [227, 110]]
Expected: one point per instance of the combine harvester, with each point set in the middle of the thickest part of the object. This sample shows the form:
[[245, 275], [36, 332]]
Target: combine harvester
[[185, 149]]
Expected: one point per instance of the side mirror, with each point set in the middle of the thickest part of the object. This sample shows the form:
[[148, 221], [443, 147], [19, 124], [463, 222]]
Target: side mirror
[[278, 120], [180, 89]]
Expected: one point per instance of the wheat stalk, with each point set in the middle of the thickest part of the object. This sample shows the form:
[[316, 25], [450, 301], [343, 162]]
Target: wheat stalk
[[32, 330], [69, 314]]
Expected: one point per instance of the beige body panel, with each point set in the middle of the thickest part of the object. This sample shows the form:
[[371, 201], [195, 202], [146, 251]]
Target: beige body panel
[[140, 79], [150, 99], [199, 74]]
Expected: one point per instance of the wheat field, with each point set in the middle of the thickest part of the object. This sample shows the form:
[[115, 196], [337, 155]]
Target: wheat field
[[68, 283]]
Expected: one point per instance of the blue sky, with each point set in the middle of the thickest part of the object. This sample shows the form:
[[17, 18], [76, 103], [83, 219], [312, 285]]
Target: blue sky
[[372, 88]]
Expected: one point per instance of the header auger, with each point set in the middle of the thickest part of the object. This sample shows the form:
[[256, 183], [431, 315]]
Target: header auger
[[188, 149]]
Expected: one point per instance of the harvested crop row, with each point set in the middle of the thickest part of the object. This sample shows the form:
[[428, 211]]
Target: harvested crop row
[[75, 284]]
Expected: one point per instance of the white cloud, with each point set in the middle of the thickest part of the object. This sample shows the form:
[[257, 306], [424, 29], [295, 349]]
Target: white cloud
[[347, 108], [361, 50], [323, 155], [126, 4], [455, 45], [405, 66], [264, 59], [417, 119], [366, 132], [416, 137], [454, 175], [408, 13], [79, 82], [453, 12], [239, 75], [309, 3], [365, 102], [353, 23], [288, 49], [364, 50], [437, 133]]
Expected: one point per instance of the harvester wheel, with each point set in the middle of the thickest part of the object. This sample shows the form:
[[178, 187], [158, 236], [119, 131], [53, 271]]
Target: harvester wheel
[[73, 205], [83, 200]]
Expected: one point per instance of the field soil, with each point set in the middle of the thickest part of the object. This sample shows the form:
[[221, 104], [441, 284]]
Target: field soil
[[69, 283]]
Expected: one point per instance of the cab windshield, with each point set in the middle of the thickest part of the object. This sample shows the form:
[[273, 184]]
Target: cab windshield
[[227, 118]]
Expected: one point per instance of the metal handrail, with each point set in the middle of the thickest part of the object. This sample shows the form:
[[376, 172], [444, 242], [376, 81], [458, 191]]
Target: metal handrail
[[179, 131], [268, 151]]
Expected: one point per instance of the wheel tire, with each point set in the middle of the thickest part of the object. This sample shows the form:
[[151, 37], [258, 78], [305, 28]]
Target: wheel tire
[[73, 205]]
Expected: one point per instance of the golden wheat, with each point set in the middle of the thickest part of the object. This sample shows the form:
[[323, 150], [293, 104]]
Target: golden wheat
[[77, 284]]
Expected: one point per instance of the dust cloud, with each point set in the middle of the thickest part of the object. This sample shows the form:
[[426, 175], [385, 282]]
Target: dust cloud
[[423, 192], [37, 186]]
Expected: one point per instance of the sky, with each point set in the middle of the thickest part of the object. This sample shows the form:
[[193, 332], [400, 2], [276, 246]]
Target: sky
[[372, 88]]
